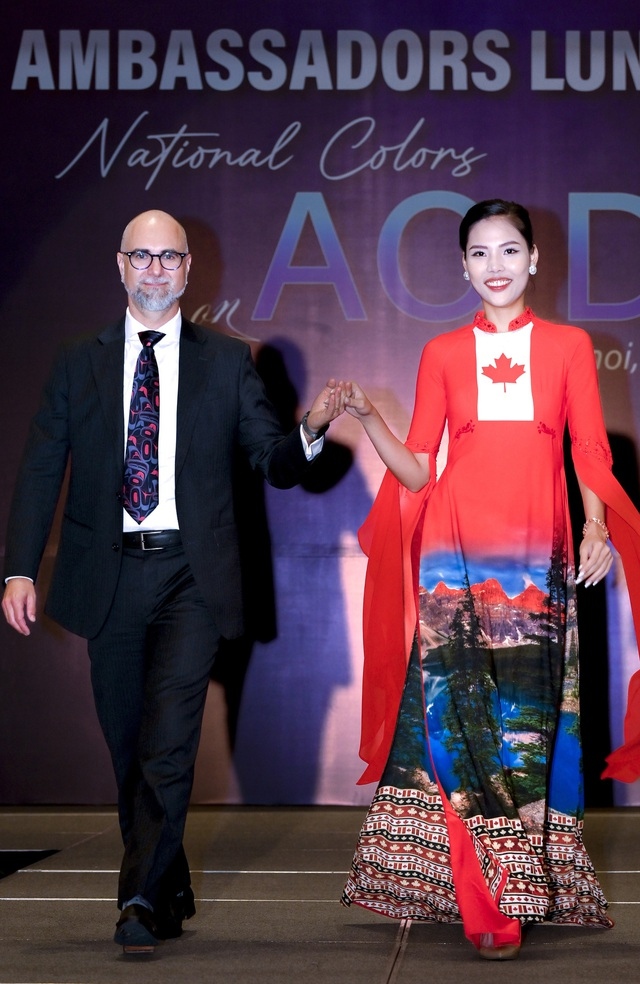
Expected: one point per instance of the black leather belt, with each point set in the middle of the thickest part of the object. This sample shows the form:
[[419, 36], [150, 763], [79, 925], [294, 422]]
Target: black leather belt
[[153, 540]]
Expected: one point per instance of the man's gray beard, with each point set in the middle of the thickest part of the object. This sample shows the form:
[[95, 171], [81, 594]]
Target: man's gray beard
[[155, 300]]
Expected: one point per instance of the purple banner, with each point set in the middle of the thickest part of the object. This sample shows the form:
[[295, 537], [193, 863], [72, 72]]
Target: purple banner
[[320, 158]]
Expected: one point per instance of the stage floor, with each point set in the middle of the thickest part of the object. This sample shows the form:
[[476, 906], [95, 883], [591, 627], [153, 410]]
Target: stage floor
[[267, 884]]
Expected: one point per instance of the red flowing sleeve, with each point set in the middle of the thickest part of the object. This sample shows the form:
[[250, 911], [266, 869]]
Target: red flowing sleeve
[[390, 539], [592, 461]]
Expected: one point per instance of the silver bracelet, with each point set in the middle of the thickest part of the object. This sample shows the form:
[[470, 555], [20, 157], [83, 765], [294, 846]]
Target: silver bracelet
[[314, 435]]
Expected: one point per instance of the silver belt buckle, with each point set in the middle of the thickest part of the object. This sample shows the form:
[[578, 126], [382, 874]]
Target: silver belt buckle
[[142, 543]]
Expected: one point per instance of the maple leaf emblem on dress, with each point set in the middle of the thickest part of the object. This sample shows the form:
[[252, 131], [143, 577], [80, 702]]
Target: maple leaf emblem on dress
[[503, 372]]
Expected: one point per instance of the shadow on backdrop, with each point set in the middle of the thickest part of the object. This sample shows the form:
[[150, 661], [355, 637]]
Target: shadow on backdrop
[[279, 678], [291, 689]]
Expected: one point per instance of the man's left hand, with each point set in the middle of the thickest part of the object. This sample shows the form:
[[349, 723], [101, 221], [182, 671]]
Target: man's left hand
[[328, 405]]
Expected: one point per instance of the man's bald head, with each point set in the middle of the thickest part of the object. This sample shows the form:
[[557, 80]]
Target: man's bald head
[[154, 290], [157, 224]]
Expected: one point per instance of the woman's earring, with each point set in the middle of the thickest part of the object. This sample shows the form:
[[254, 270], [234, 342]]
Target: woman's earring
[[465, 275], [533, 269]]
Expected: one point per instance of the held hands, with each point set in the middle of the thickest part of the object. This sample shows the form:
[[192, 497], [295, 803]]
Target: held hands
[[595, 558], [327, 405], [356, 401], [19, 604], [334, 399]]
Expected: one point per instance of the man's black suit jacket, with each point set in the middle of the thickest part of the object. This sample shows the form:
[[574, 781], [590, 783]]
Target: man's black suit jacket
[[221, 407]]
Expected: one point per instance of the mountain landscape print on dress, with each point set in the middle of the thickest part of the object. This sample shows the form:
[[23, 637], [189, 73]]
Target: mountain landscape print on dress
[[504, 620], [487, 657]]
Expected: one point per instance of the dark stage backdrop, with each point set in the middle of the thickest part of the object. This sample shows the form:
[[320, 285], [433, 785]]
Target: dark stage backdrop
[[320, 156]]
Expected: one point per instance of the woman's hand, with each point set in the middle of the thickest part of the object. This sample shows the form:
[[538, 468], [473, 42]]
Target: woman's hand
[[596, 558], [356, 401]]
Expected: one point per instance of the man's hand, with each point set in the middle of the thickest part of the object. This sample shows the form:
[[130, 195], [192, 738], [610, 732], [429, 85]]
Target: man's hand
[[328, 405], [19, 604]]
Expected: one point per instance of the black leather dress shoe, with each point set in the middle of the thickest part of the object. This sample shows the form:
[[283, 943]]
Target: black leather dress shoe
[[170, 914], [136, 930]]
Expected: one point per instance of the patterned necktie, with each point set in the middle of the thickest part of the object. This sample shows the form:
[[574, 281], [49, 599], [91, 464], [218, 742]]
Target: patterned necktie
[[140, 488]]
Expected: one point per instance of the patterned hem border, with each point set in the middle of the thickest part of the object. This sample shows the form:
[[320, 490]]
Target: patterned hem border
[[402, 868]]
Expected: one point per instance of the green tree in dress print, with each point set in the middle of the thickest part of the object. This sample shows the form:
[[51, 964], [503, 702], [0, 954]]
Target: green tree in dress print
[[408, 764], [551, 622], [529, 780], [537, 722], [471, 719]]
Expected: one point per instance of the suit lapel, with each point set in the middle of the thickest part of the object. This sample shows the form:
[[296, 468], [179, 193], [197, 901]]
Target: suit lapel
[[195, 366], [107, 360]]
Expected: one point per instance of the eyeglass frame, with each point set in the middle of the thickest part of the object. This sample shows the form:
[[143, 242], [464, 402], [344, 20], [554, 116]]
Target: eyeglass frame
[[152, 257]]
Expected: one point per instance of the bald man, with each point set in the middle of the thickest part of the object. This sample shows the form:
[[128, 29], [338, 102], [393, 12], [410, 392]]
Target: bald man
[[147, 568]]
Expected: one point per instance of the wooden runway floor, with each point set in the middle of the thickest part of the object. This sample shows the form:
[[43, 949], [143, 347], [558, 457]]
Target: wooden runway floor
[[267, 884]]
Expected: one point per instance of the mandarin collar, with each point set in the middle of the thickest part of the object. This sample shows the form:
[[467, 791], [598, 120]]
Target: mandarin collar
[[482, 322]]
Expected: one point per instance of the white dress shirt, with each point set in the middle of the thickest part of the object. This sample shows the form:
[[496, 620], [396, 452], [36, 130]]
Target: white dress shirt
[[167, 350]]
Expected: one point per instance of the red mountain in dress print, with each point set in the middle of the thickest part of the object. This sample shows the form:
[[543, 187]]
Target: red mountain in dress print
[[505, 621]]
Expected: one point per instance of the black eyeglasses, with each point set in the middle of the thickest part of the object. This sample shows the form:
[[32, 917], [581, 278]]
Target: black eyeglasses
[[141, 259]]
